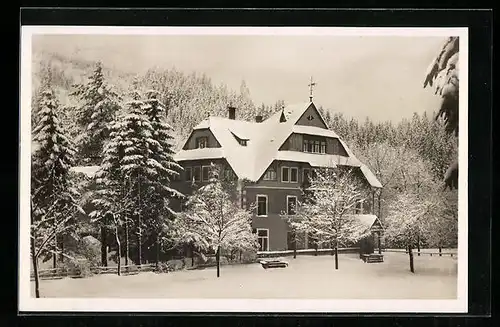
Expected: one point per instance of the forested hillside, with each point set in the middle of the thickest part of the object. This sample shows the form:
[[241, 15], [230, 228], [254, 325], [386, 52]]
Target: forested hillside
[[189, 97]]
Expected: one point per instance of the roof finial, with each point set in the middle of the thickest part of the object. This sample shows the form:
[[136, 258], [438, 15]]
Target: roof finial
[[311, 89]]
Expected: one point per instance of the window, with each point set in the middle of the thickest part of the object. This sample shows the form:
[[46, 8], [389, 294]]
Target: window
[[323, 147], [306, 173], [270, 175], [261, 205], [291, 205], [188, 174], [243, 142], [201, 142], [197, 173], [316, 147], [263, 239], [205, 173], [294, 175], [285, 174]]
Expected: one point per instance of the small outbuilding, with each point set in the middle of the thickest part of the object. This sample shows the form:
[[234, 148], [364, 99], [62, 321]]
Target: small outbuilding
[[373, 231]]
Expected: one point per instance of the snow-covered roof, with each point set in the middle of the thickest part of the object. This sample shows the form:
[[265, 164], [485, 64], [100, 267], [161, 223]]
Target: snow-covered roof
[[367, 220], [199, 154], [313, 130], [264, 140], [88, 171], [370, 176], [317, 160]]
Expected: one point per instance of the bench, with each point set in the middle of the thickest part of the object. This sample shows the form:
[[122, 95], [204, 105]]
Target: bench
[[273, 264], [369, 258]]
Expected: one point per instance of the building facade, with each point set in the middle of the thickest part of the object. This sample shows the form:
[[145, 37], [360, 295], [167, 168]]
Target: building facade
[[269, 160]]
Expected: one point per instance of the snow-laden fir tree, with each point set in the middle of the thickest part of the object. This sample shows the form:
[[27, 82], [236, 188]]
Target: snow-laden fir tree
[[444, 72], [137, 164], [112, 198], [97, 108], [215, 219], [141, 157], [53, 198], [166, 169], [327, 212]]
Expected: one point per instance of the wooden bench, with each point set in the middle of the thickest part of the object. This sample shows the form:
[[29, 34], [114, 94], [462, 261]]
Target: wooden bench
[[273, 264], [369, 258]]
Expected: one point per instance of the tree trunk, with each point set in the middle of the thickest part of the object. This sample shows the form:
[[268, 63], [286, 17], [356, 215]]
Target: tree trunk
[[127, 243], [217, 258], [315, 249], [379, 244], [104, 247], [410, 253], [241, 252], [35, 268], [61, 257], [139, 236], [379, 199], [192, 255], [157, 250], [54, 254], [295, 245], [440, 250], [119, 249], [332, 245], [418, 245], [139, 241], [336, 254]]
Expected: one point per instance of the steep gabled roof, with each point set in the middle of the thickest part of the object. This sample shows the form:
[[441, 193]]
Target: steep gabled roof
[[264, 140], [367, 220], [313, 130]]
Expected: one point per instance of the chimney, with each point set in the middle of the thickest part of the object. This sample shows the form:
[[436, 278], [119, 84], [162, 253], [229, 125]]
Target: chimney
[[258, 119], [232, 112]]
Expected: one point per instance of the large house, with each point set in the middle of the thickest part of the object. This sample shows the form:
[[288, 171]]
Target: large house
[[270, 159]]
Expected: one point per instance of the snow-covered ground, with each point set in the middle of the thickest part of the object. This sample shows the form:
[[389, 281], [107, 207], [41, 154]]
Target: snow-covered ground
[[306, 277]]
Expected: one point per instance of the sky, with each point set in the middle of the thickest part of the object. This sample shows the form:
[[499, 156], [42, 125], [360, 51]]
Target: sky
[[380, 77]]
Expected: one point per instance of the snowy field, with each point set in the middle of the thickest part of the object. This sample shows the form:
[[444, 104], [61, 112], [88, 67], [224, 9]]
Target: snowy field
[[307, 277]]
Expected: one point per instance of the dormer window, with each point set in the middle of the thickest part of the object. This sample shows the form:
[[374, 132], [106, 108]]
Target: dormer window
[[201, 142], [243, 141]]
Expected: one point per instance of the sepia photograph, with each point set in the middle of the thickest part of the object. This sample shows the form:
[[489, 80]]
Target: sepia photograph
[[243, 169]]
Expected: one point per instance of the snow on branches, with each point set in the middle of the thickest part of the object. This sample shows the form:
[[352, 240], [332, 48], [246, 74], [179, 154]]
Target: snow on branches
[[327, 211], [213, 220], [53, 198], [444, 70], [99, 105]]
